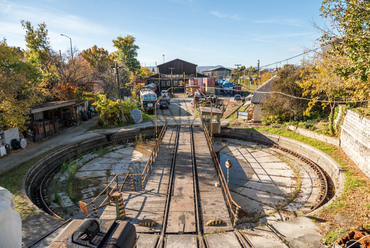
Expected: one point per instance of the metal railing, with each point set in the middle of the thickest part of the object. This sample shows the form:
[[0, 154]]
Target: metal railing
[[151, 160], [115, 186], [109, 191], [234, 208]]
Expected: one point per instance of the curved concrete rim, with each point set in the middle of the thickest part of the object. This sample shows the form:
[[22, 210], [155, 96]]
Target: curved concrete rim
[[326, 162], [319, 157]]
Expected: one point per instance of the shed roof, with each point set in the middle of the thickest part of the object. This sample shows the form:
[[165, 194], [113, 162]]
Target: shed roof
[[51, 105], [260, 93], [208, 110]]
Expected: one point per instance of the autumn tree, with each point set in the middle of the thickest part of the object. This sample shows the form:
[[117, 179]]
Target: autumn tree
[[266, 76], [279, 107], [19, 84], [349, 34], [144, 72], [98, 58], [127, 52], [321, 82]]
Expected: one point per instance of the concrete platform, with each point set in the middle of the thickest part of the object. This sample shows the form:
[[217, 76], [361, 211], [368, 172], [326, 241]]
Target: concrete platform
[[150, 203], [213, 205], [222, 240], [181, 241]]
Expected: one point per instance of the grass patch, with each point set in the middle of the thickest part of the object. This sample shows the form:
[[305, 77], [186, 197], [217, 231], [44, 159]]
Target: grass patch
[[147, 117], [333, 235], [12, 181], [362, 111]]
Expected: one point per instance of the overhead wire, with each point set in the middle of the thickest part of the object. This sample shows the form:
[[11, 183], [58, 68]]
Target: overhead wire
[[295, 56]]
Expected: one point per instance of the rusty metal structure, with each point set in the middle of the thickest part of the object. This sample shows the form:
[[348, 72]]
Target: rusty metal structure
[[357, 238]]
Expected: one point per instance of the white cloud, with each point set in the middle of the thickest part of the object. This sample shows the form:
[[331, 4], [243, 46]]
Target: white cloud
[[10, 28], [224, 15], [5, 6]]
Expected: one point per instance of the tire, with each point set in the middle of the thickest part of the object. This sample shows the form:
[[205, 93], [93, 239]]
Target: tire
[[15, 144], [23, 143]]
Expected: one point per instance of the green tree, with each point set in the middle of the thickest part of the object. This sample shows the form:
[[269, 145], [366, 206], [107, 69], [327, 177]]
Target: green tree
[[127, 52], [349, 36], [37, 42], [19, 87]]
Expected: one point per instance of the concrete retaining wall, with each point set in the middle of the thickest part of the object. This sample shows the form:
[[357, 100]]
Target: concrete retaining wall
[[327, 163], [314, 135], [355, 140]]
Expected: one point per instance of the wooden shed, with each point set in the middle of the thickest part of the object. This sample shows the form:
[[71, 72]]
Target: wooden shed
[[210, 115]]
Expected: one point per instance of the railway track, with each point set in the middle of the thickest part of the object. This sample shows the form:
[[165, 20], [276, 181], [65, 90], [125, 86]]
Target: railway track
[[326, 185], [170, 192], [201, 242]]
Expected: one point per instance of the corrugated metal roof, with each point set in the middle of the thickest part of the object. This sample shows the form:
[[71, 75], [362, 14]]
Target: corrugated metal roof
[[216, 69], [259, 95]]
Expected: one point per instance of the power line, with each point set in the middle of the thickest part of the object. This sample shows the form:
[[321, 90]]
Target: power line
[[307, 99], [291, 96], [312, 50]]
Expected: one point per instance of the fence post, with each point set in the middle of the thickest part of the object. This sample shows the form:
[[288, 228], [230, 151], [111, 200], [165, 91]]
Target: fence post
[[106, 183], [132, 182], [236, 218], [142, 182], [117, 182], [120, 207]]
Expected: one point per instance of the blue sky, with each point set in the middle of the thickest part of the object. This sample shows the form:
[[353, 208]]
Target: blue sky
[[203, 32]]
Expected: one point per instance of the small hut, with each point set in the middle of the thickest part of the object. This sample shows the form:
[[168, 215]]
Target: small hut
[[211, 117]]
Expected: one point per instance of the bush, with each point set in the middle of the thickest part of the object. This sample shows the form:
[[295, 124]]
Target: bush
[[113, 113]]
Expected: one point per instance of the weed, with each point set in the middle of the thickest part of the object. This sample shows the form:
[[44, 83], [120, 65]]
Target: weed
[[334, 235], [12, 181], [64, 167]]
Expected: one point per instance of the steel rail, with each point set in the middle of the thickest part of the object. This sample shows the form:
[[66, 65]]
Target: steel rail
[[160, 243], [243, 240], [46, 178], [201, 242], [319, 172]]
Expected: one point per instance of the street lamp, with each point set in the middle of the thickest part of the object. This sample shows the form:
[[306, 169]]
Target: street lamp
[[70, 41], [228, 166]]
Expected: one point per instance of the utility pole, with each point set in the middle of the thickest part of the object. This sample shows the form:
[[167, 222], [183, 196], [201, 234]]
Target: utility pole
[[258, 70], [116, 67], [171, 68], [238, 74], [163, 58]]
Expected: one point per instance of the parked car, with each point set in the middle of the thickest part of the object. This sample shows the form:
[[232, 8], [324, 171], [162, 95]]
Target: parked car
[[166, 97], [237, 97], [163, 105]]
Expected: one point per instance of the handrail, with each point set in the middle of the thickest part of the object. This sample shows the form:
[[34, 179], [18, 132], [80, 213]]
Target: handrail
[[143, 175], [154, 153], [225, 187]]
